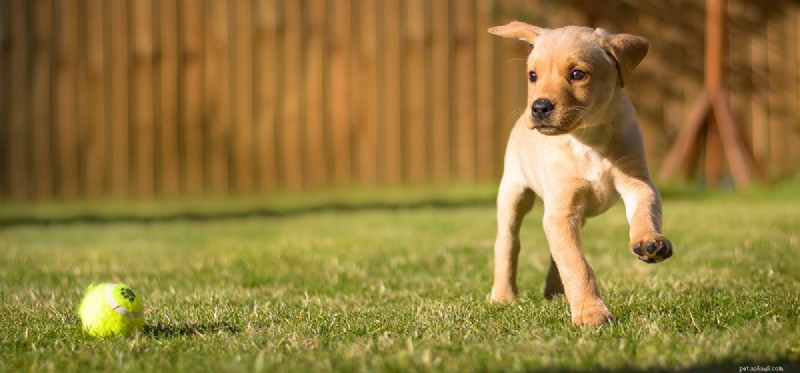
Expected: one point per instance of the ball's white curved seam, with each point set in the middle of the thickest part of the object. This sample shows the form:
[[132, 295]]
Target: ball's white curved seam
[[117, 307]]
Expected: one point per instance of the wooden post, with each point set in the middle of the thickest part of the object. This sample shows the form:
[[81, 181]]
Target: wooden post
[[714, 74], [712, 116]]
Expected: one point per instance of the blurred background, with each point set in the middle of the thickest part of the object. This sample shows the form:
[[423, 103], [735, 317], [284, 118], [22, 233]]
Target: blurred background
[[162, 98]]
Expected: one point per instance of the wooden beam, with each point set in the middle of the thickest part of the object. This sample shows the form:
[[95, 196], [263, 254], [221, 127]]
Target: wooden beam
[[712, 117], [679, 157]]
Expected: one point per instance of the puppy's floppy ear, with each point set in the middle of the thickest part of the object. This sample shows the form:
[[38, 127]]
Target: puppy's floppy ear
[[626, 50], [519, 30]]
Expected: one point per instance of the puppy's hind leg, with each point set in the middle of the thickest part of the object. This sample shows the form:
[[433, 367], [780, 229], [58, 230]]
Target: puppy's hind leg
[[553, 286], [513, 202]]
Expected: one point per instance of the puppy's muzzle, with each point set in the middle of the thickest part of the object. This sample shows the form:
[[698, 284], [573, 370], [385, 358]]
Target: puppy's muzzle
[[542, 108]]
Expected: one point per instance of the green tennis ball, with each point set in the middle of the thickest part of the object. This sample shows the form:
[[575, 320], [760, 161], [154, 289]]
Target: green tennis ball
[[110, 310]]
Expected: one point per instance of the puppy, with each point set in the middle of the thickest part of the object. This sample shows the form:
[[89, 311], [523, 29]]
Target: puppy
[[579, 148]]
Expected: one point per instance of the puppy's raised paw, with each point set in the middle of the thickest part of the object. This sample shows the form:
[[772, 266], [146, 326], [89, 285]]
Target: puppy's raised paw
[[652, 250]]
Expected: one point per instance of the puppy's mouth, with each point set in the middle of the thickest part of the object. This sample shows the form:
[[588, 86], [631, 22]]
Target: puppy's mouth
[[548, 130], [555, 125]]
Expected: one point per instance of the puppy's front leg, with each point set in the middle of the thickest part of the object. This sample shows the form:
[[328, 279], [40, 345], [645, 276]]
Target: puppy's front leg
[[513, 202], [562, 228], [643, 210]]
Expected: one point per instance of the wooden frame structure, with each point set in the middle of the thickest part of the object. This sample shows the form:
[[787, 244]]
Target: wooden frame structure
[[711, 123]]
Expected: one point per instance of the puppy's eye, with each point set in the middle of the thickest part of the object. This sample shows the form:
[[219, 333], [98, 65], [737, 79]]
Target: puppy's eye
[[576, 74], [532, 76]]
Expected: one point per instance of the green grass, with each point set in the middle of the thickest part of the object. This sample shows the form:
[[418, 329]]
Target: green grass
[[394, 281]]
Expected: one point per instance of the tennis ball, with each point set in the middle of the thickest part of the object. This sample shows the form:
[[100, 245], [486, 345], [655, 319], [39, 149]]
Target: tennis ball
[[110, 310]]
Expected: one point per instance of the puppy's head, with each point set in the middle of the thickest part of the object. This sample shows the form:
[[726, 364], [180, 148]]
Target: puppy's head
[[574, 73]]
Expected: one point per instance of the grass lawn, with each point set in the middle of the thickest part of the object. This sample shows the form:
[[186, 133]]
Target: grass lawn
[[395, 281]]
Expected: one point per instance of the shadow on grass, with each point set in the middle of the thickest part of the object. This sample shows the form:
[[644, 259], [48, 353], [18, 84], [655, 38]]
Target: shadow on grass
[[185, 330], [724, 366], [266, 212], [778, 365]]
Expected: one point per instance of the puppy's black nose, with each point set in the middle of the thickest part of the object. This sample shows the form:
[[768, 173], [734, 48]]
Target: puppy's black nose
[[542, 108]]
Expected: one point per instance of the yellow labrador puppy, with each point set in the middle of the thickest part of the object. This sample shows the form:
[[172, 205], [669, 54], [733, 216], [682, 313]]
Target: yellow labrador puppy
[[579, 148]]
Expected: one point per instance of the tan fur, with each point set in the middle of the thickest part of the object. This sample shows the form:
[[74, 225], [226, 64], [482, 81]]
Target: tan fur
[[579, 160]]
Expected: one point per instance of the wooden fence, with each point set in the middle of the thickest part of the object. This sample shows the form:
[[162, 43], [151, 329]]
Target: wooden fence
[[144, 98]]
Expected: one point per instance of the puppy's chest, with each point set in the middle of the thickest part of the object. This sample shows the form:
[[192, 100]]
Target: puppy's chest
[[589, 164], [594, 175]]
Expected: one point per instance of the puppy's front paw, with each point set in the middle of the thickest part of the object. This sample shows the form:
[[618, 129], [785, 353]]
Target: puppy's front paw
[[652, 249], [502, 295], [594, 316]]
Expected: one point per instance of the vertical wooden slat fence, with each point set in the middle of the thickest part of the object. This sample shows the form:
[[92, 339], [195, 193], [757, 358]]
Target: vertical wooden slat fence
[[160, 98], [17, 173], [41, 167], [166, 99], [369, 135], [191, 33], [118, 93], [392, 77], [93, 111]]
